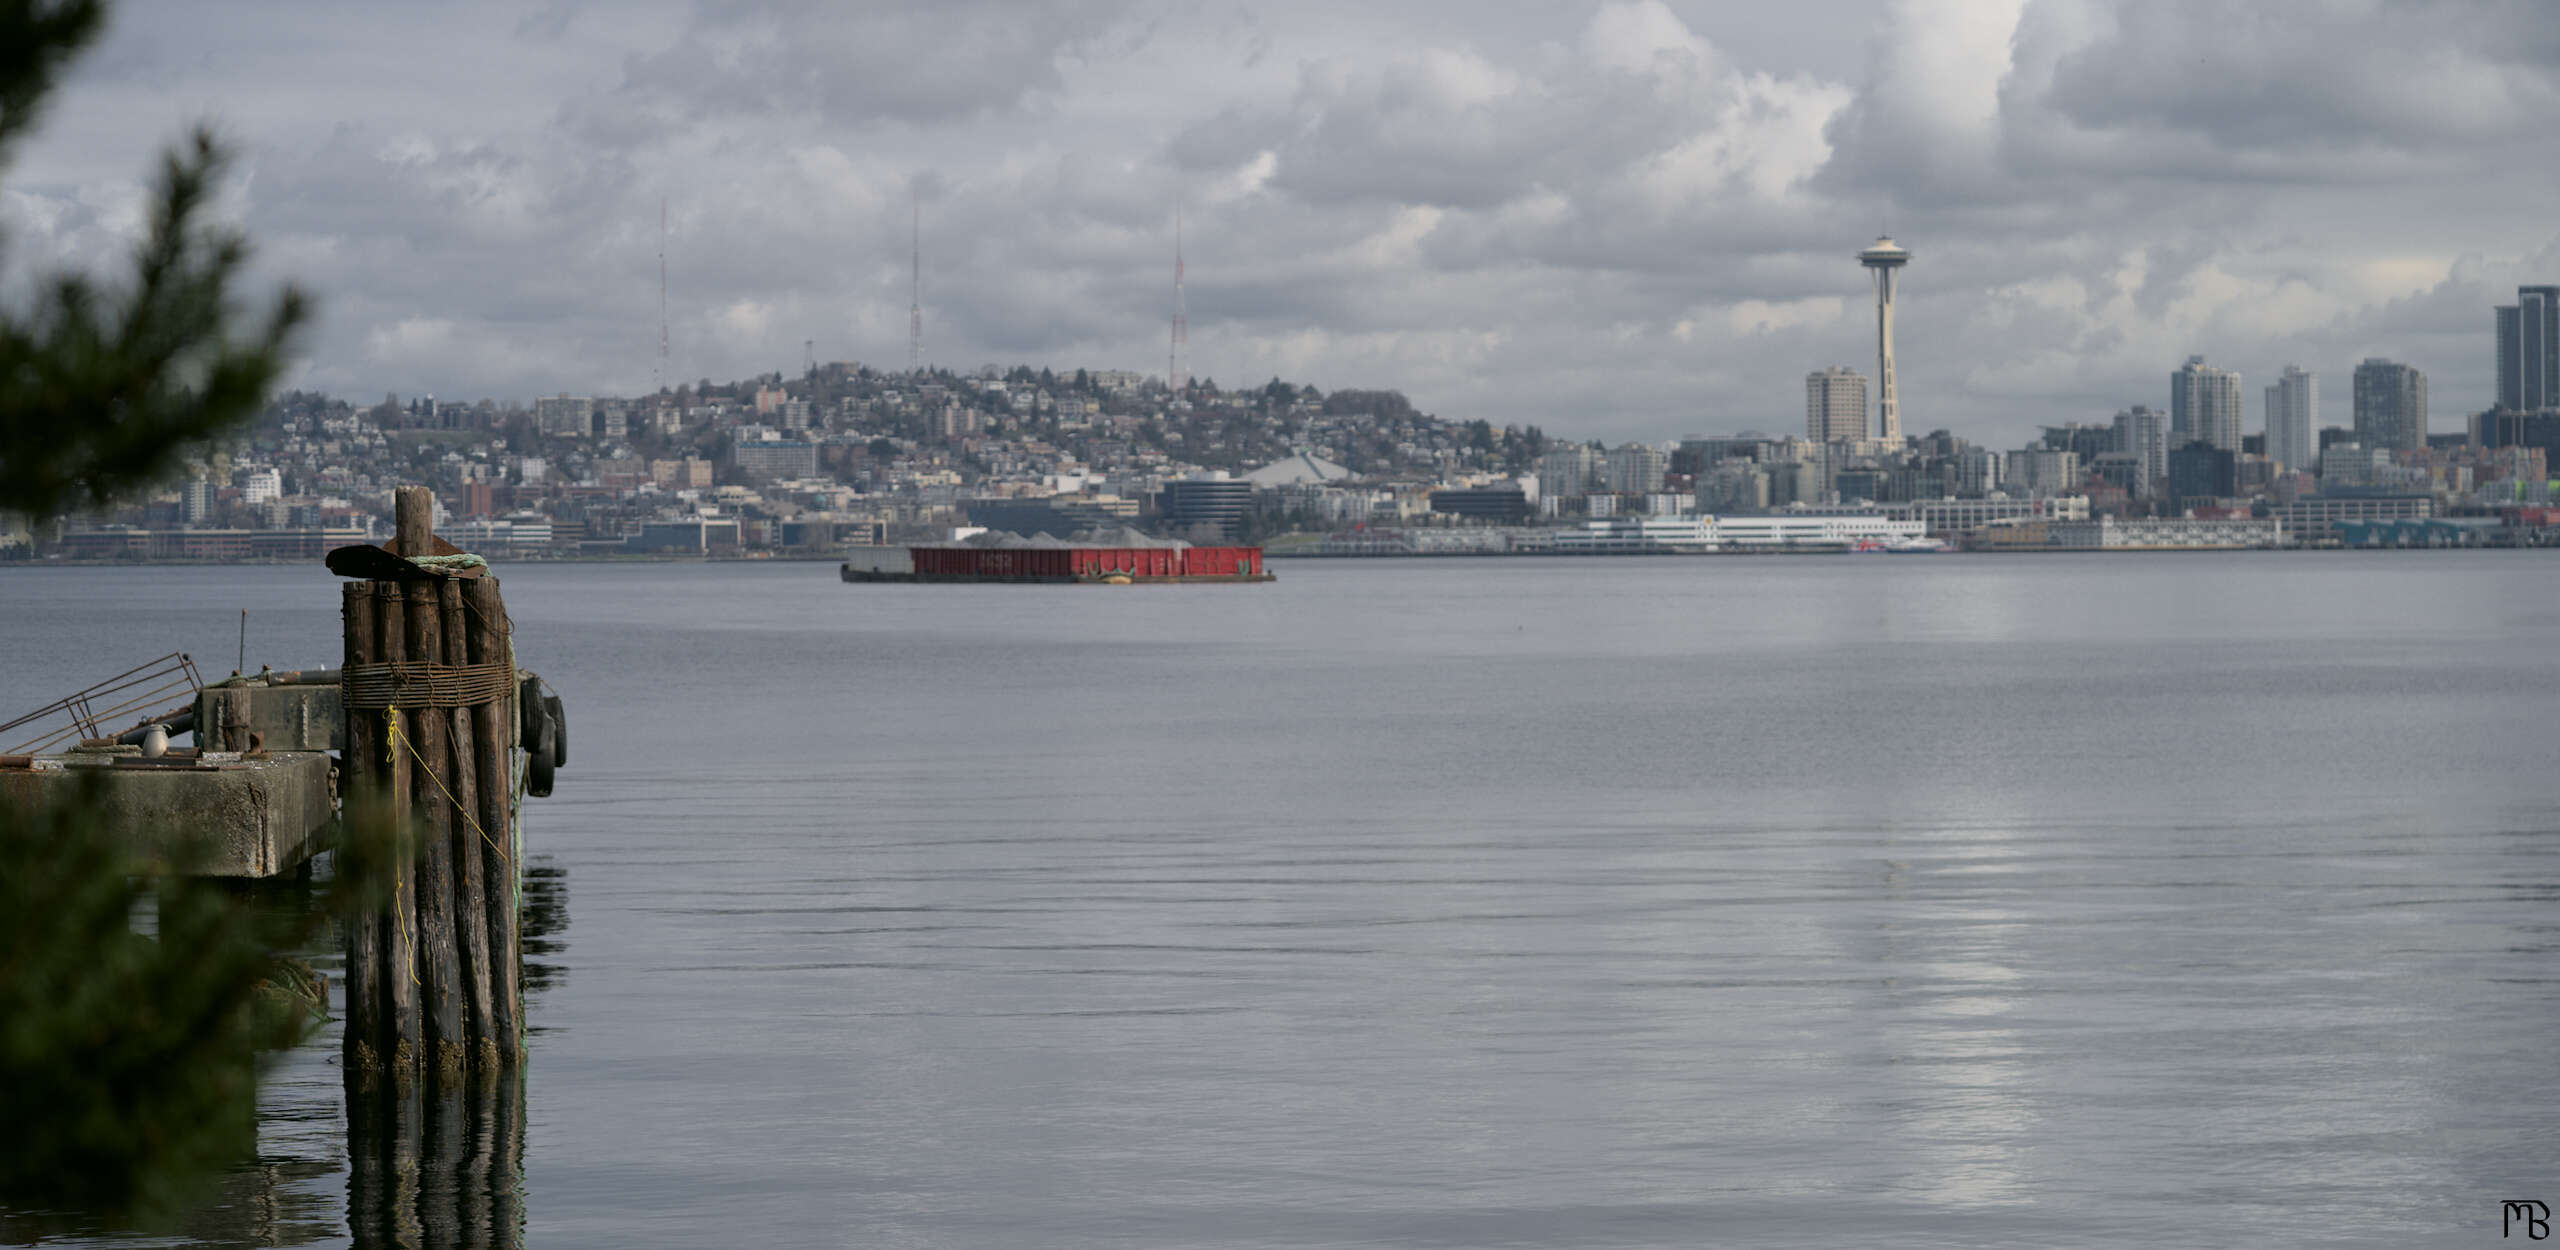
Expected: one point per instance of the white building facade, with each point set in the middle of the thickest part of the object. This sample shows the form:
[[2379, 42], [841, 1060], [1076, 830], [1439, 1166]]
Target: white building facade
[[2293, 407]]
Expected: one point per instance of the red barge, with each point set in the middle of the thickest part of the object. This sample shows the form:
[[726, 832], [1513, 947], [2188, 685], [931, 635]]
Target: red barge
[[1113, 566]]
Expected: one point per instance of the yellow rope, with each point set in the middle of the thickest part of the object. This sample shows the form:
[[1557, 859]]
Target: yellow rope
[[399, 875], [430, 771]]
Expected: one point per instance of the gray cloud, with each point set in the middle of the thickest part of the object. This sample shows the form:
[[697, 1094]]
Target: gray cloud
[[1617, 219], [922, 64]]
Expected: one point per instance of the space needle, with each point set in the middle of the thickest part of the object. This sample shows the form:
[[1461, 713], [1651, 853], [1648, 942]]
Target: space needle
[[1882, 260]]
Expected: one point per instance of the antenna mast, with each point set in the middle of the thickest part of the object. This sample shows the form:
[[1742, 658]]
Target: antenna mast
[[1174, 376], [915, 298], [662, 293]]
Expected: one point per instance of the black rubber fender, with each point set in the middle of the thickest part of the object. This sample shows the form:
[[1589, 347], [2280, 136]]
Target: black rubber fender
[[559, 730], [538, 754], [528, 710]]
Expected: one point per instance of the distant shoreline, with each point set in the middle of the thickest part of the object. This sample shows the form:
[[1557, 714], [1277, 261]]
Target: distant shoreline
[[1270, 554], [9, 566], [503, 562]]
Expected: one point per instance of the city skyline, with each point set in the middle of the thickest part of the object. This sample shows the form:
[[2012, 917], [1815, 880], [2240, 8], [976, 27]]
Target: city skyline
[[1371, 199]]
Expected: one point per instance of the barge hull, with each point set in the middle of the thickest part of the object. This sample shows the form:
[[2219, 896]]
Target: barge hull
[[862, 575], [1060, 565]]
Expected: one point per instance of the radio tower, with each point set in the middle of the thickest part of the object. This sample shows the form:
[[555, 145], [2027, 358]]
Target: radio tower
[[1174, 377], [915, 296], [662, 293]]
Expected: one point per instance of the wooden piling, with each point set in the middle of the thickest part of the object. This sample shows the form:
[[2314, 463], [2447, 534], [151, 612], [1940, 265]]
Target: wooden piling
[[400, 934], [494, 736], [364, 925], [470, 869], [428, 747], [435, 979], [439, 940]]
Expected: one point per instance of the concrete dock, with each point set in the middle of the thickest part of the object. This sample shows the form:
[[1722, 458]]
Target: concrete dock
[[246, 817]]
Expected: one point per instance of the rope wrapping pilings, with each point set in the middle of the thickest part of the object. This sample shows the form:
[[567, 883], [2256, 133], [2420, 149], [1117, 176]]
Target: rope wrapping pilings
[[417, 683]]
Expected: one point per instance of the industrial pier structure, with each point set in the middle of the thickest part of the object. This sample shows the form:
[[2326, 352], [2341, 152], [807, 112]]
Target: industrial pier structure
[[437, 735]]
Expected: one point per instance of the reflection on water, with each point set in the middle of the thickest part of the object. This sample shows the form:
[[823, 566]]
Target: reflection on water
[[1814, 902], [544, 918], [424, 1165], [271, 1202], [442, 1164], [436, 1164]]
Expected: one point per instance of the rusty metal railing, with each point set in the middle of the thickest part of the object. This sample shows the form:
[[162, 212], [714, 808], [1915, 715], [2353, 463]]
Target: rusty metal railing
[[88, 713]]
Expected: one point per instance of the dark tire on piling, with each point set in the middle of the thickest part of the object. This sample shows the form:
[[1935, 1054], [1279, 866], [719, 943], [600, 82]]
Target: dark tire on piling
[[528, 710], [538, 755], [559, 730]]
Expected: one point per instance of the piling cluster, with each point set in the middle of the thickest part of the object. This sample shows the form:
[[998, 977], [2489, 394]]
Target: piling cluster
[[434, 980]]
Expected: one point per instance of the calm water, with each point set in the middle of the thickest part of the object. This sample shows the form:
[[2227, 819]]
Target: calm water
[[1968, 901]]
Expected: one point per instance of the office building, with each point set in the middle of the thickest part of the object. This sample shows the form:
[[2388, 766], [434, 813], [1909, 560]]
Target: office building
[[2520, 429], [2391, 405], [1499, 505], [1835, 404], [2293, 406], [2201, 470], [2529, 350], [2042, 471], [1211, 499]]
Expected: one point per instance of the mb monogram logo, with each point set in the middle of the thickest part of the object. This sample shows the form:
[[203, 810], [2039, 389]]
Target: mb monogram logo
[[2531, 1216]]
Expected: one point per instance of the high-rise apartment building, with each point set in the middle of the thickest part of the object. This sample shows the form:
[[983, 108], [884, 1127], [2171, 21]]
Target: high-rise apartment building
[[2293, 411], [1835, 404], [1565, 471], [2391, 405], [1634, 469], [196, 501], [2529, 350], [2204, 406], [2143, 431]]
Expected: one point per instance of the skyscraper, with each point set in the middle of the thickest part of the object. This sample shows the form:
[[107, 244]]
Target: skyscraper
[[2293, 417], [1835, 404], [1885, 259], [2529, 350], [2391, 405], [2144, 432], [2204, 406]]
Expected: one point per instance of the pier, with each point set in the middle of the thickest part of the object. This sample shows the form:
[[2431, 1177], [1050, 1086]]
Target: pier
[[411, 759]]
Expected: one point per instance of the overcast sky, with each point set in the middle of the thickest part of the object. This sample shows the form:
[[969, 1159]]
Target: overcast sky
[[1617, 220]]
